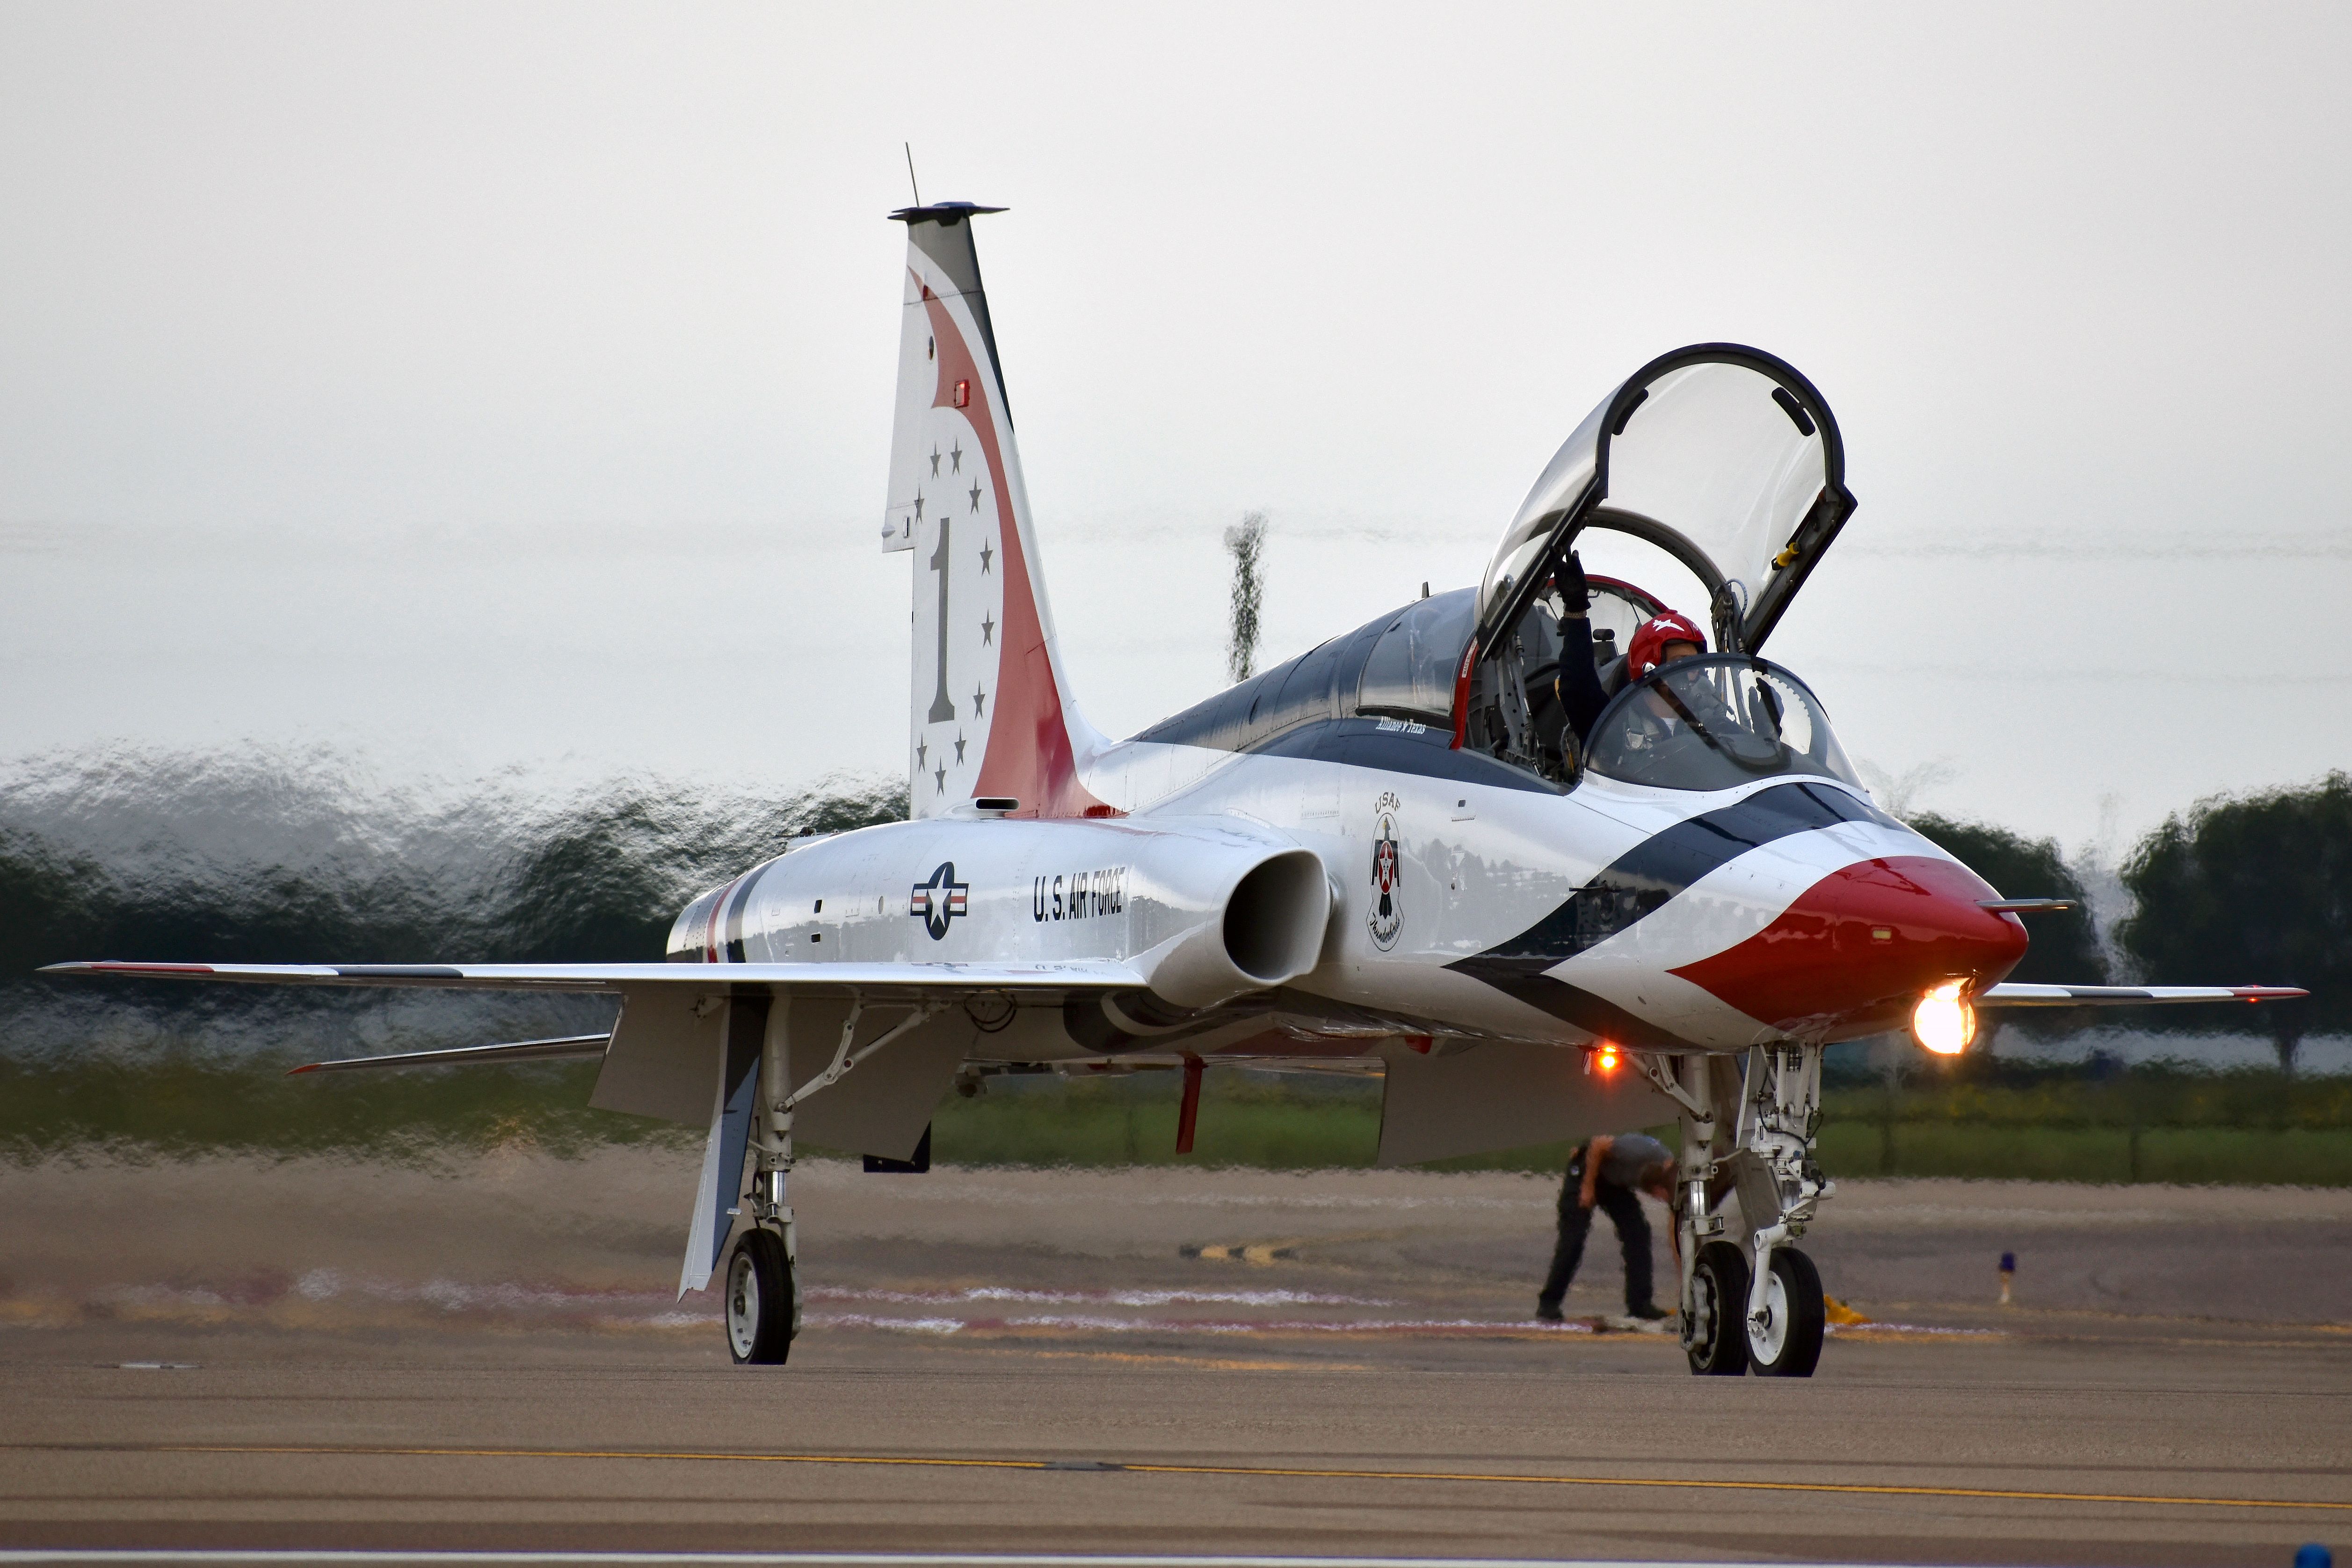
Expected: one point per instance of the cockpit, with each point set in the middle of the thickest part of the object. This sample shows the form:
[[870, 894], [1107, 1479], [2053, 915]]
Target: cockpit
[[1710, 482], [1714, 477]]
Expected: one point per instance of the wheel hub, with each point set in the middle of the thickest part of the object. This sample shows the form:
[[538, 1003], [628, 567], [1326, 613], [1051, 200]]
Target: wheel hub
[[742, 1304], [1768, 1329]]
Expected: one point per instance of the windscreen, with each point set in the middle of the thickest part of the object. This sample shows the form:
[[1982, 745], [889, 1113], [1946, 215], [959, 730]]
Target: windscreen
[[1724, 456], [1715, 723]]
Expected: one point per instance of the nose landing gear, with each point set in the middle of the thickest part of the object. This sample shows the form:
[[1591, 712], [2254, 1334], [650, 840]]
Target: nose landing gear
[[1750, 1300]]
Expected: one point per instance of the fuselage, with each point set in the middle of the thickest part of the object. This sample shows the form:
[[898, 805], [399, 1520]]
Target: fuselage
[[1468, 900]]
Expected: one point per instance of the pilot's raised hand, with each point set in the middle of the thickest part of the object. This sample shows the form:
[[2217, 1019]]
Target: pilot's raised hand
[[1574, 595]]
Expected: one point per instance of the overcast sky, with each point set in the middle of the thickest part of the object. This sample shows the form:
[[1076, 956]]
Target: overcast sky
[[507, 388]]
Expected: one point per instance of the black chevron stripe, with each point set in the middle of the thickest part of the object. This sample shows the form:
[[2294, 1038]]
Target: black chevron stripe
[[1637, 884]]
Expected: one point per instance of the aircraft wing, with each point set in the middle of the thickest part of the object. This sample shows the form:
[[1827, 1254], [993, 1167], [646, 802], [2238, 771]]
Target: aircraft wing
[[901, 980], [2127, 995]]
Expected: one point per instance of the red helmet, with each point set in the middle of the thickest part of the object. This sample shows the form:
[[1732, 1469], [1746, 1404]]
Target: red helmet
[[1648, 648]]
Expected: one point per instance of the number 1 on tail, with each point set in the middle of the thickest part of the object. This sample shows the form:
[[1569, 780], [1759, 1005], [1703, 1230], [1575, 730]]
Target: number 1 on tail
[[943, 710]]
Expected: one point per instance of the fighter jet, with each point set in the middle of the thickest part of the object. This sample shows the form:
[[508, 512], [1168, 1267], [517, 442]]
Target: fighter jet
[[1393, 854]]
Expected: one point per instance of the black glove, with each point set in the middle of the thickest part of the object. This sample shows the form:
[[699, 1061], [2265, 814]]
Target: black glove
[[1574, 596]]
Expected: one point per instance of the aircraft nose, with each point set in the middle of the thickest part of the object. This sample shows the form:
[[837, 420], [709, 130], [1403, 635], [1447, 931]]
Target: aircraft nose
[[1858, 948]]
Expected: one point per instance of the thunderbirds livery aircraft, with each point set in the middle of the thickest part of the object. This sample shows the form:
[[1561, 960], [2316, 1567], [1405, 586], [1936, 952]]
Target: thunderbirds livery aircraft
[[1549, 857]]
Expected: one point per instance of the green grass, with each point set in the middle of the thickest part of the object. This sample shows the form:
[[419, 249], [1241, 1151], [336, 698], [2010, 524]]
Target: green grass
[[2148, 1126], [2227, 1155], [1132, 1121], [177, 1104], [2146, 1097], [1984, 1118]]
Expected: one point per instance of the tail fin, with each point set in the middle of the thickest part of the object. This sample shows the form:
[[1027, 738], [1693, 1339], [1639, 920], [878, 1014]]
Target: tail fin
[[992, 715]]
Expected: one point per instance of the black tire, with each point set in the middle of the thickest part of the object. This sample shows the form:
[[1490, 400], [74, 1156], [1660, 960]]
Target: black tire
[[1791, 1344], [760, 1300], [1715, 1334]]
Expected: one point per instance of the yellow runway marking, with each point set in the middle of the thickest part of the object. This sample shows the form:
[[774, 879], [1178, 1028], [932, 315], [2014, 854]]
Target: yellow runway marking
[[1203, 1363], [1837, 1488]]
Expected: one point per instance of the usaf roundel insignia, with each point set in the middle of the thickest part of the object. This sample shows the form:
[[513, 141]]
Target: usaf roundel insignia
[[1387, 916], [939, 900]]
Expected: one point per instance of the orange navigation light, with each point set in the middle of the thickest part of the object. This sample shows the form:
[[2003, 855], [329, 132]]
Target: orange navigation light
[[1604, 1057], [1943, 1022]]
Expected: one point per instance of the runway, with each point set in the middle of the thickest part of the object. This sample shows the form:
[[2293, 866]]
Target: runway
[[991, 1370], [366, 1559]]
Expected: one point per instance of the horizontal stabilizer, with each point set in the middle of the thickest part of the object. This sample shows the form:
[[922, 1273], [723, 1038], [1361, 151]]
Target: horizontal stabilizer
[[2128, 996], [465, 1055], [947, 979]]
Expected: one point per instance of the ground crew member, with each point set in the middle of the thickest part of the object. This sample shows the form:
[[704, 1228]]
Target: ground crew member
[[1607, 1173]]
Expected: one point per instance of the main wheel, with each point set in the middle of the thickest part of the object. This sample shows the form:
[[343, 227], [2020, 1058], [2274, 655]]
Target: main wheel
[[761, 1319], [1788, 1344], [1712, 1336]]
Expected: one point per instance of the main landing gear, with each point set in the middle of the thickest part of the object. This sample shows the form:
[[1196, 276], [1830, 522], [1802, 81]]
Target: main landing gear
[[763, 1280], [762, 1284], [762, 1299], [1751, 1302]]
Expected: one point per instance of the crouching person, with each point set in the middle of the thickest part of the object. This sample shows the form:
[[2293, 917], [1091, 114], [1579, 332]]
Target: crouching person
[[1609, 1174]]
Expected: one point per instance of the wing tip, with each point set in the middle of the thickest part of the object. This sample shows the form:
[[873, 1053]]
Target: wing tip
[[2036, 993]]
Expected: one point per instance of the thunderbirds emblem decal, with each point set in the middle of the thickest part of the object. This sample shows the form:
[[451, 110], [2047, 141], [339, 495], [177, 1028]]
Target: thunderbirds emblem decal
[[939, 900], [1387, 916]]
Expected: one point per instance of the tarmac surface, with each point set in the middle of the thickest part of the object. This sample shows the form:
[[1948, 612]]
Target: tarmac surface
[[313, 1355]]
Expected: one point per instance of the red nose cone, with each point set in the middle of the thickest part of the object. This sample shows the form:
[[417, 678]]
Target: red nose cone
[[1856, 949]]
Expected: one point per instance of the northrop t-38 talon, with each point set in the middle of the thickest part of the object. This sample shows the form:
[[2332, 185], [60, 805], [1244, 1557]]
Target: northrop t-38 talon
[[1394, 854]]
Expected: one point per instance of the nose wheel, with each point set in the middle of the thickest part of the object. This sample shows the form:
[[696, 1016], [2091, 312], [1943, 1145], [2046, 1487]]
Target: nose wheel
[[1785, 1339], [762, 1300]]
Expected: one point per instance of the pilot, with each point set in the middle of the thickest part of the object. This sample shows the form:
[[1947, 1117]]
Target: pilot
[[1661, 639], [1607, 1172]]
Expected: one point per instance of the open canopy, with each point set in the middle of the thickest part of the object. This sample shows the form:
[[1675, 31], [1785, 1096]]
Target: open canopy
[[1722, 456]]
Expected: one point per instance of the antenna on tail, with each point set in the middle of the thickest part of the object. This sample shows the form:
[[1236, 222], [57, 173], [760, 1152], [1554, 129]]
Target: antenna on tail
[[910, 146]]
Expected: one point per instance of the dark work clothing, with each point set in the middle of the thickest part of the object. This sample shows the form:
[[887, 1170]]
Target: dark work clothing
[[1580, 682], [1631, 1154], [1622, 1205]]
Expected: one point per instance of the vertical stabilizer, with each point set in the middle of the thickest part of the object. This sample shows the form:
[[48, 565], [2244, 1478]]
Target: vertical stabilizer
[[992, 713]]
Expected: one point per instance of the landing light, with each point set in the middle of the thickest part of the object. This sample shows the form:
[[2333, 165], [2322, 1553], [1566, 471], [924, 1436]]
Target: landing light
[[1943, 1021]]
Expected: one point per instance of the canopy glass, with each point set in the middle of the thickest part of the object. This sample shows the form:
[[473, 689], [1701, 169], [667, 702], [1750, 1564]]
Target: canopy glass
[[1723, 456]]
